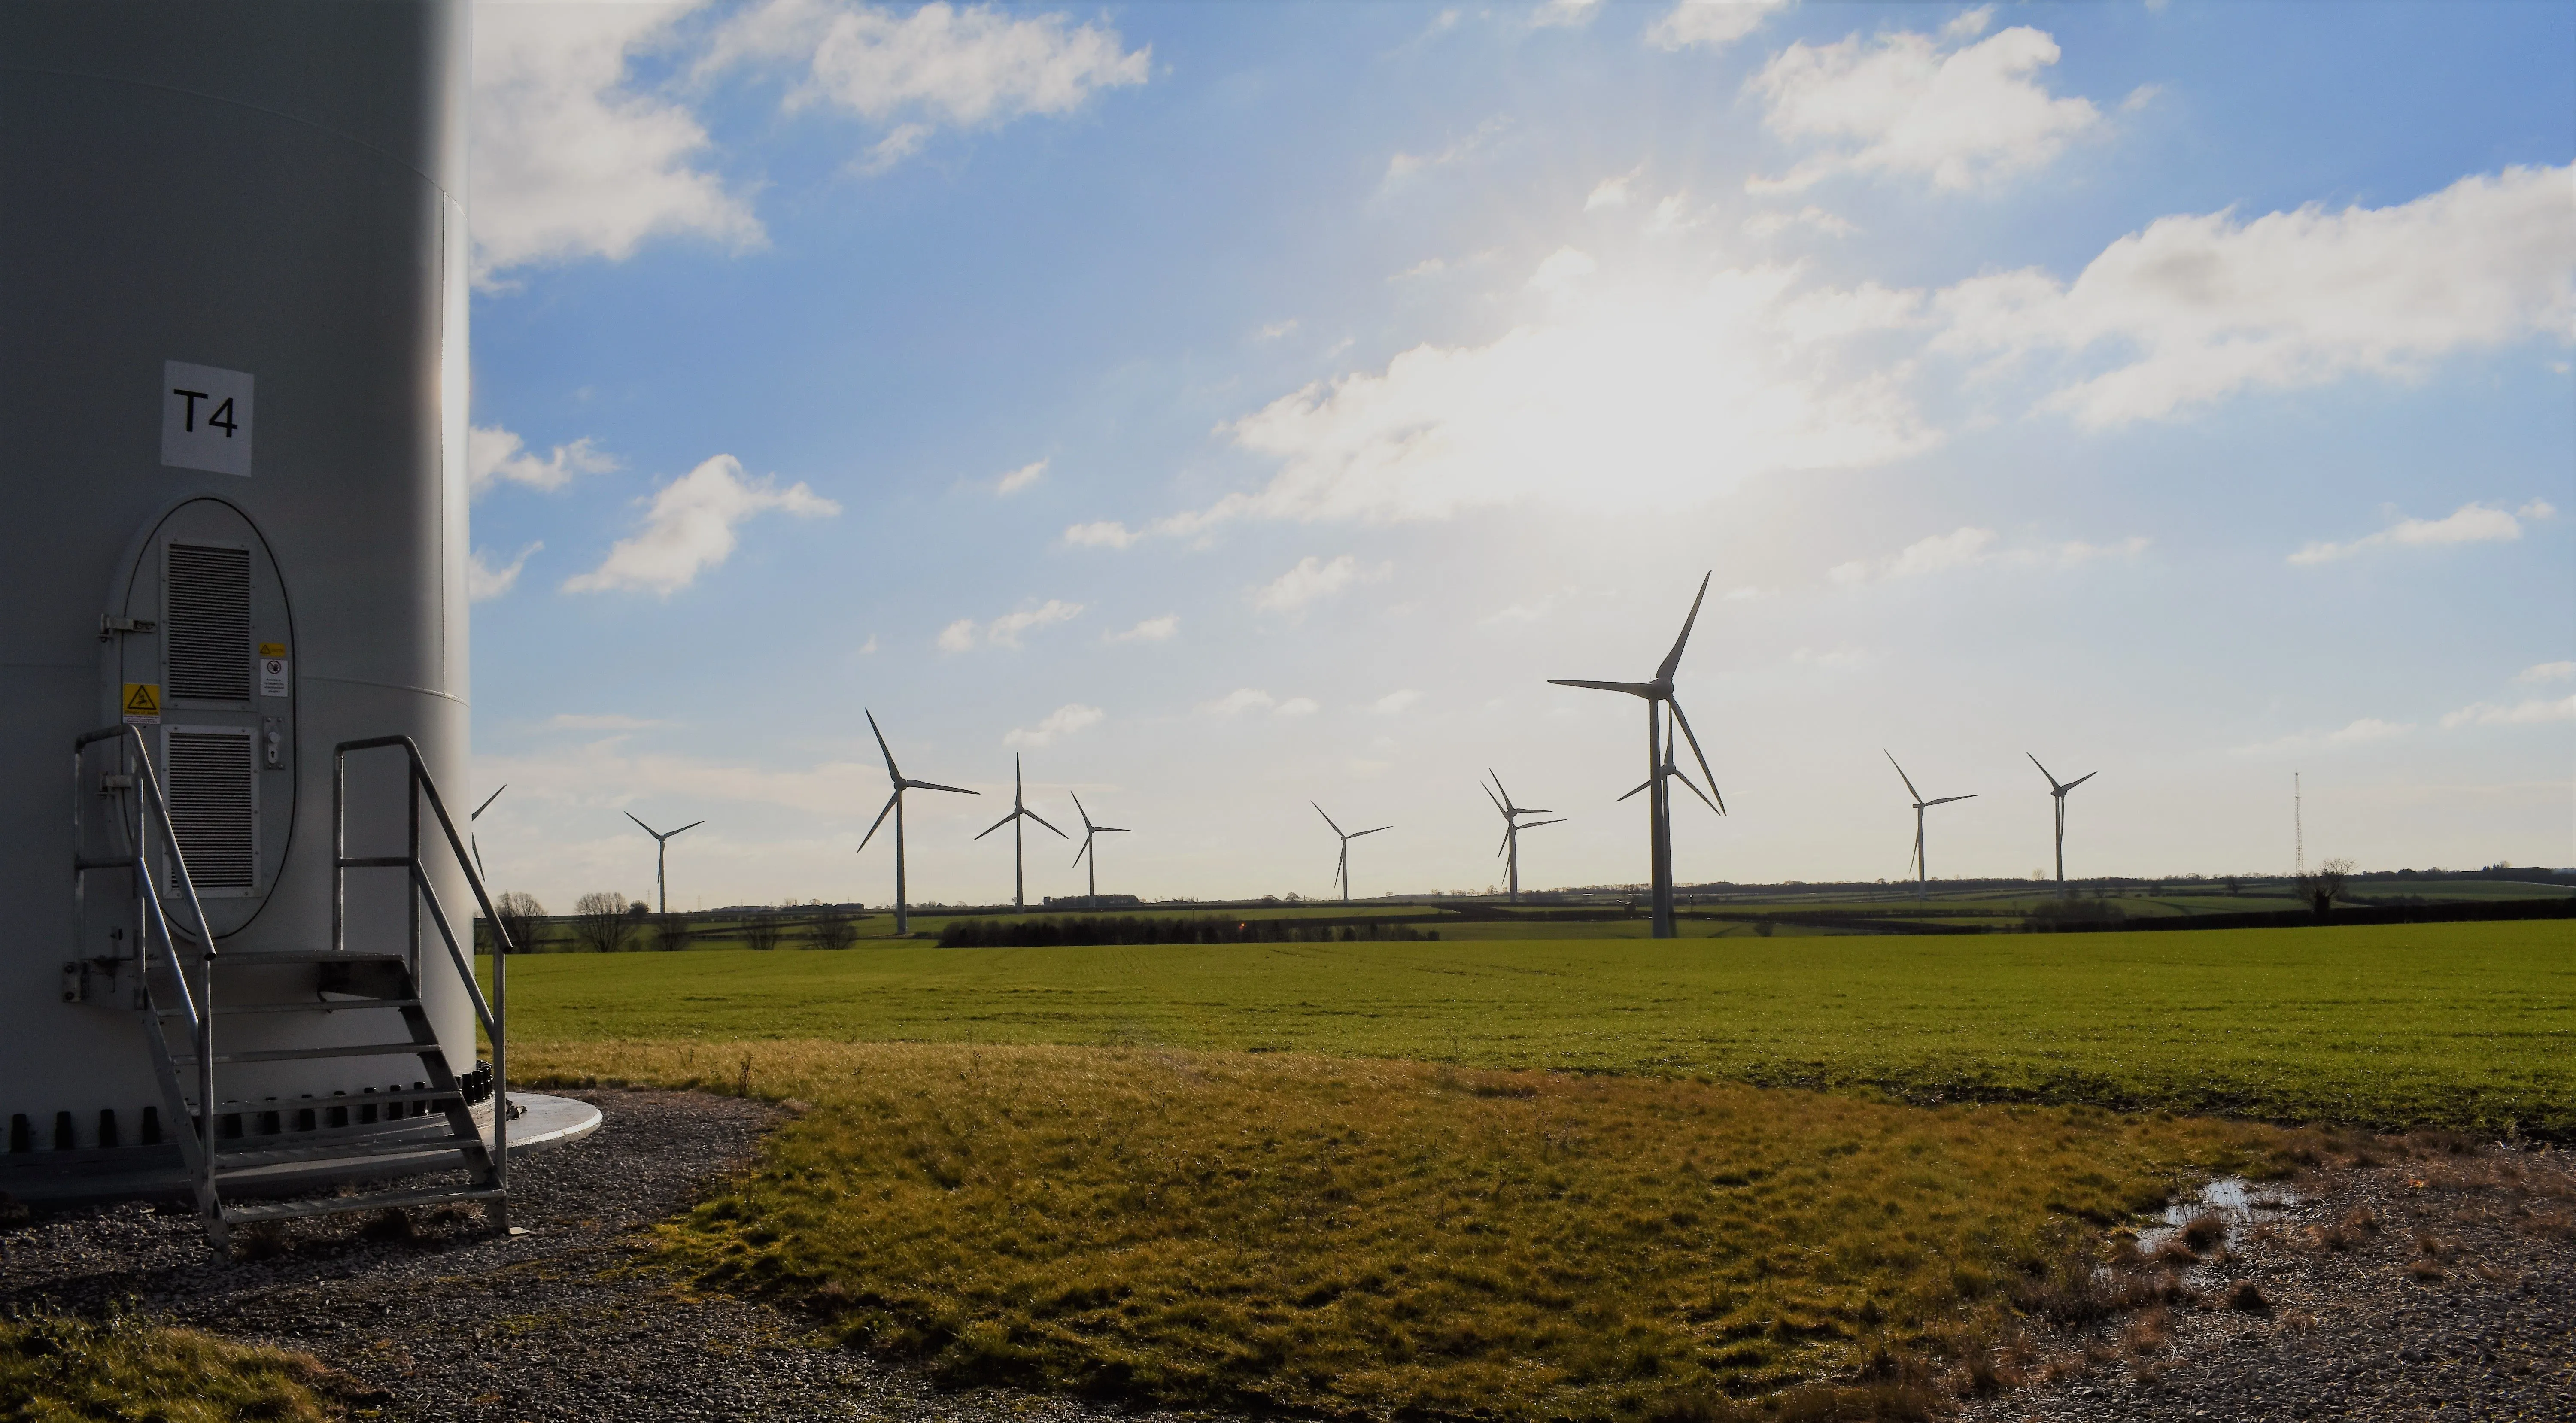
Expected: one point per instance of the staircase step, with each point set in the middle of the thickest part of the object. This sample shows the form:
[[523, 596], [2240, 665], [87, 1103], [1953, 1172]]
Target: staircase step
[[302, 1054], [238, 1161], [327, 1005], [337, 1205], [239, 959], [428, 1095]]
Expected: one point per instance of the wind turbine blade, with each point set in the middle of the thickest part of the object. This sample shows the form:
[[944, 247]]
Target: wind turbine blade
[[1498, 785], [996, 825], [2079, 780], [1328, 820], [1945, 800], [1113, 830], [1085, 850], [1506, 845], [649, 830], [1673, 659], [1641, 785], [1087, 826], [1499, 807], [1531, 810], [935, 786], [1693, 737], [1685, 779], [1042, 820], [1634, 689], [692, 825], [487, 802], [1900, 775], [2053, 787], [1354, 835], [881, 815], [892, 774], [1533, 825]]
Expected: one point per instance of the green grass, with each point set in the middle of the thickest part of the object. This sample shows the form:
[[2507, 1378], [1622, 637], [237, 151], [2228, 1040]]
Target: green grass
[[2465, 1025], [1376, 1239], [56, 1369]]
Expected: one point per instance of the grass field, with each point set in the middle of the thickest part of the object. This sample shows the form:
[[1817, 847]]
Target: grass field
[[58, 1369], [2466, 1025]]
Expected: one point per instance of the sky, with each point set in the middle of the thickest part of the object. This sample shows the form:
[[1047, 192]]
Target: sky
[[1228, 410]]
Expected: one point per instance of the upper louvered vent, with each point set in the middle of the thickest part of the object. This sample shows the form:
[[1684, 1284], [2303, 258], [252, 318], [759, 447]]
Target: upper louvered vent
[[207, 630], [212, 809]]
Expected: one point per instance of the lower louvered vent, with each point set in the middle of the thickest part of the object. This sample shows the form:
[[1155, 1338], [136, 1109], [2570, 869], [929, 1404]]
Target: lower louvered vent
[[211, 807]]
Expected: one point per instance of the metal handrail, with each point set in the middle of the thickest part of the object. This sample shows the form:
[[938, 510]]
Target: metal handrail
[[199, 1003], [494, 1012]]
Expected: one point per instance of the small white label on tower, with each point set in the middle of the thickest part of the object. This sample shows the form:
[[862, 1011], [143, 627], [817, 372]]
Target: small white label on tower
[[205, 418], [272, 676]]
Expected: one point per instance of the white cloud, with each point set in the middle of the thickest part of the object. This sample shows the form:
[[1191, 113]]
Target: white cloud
[[1238, 701], [2470, 523], [1427, 267], [979, 66], [1747, 594], [1564, 13], [1063, 721], [1710, 24], [1004, 631], [1772, 224], [690, 525], [2547, 672], [1394, 703], [2198, 307], [1901, 105], [492, 454], [1970, 547], [1100, 533], [1612, 192], [1310, 580], [568, 162], [1297, 706], [1276, 329], [1563, 268], [1672, 215], [1404, 167], [1150, 630], [1019, 479], [2524, 713], [868, 648], [611, 721], [2363, 732], [484, 581]]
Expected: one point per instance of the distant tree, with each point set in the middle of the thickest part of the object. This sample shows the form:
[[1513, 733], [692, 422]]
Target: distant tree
[[600, 922], [2233, 887], [670, 932], [834, 928], [519, 912], [763, 930], [2322, 886]]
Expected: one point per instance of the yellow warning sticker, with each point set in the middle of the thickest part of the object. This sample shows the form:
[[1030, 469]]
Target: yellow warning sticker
[[272, 649], [143, 703]]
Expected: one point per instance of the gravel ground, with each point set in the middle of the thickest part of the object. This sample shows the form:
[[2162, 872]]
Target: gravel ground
[[2435, 1283], [568, 1321]]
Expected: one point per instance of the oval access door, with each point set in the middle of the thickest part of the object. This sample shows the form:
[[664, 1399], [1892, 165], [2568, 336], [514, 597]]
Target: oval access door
[[211, 685]]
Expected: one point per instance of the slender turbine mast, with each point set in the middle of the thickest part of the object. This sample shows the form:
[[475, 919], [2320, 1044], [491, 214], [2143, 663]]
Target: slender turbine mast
[[1091, 893], [1659, 830], [2057, 793], [894, 806], [1916, 862], [1342, 867], [476, 845], [661, 856], [1512, 828], [1019, 812]]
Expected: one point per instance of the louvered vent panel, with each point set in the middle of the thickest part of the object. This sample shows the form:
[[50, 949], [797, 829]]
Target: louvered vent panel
[[211, 807], [208, 628]]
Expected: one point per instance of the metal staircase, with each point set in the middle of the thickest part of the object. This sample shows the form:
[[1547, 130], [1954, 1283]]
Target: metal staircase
[[239, 1148]]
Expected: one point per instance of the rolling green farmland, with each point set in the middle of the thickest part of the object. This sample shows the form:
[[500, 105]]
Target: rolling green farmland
[[2469, 1025]]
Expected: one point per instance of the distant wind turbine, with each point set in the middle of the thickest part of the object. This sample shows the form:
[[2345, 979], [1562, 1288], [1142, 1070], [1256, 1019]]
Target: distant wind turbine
[[1342, 867], [1091, 894], [1659, 833], [2057, 793], [661, 854], [476, 845], [894, 807], [1512, 828], [1922, 870], [1019, 812]]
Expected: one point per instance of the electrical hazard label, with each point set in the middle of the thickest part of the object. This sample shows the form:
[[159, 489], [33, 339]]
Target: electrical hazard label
[[143, 703], [272, 649]]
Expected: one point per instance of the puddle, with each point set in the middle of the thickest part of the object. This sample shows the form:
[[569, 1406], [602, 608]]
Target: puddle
[[2239, 1202]]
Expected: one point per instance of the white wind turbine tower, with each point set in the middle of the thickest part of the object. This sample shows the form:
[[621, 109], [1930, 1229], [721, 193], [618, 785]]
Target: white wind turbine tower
[[1019, 812], [1091, 891], [1659, 833], [661, 856], [1922, 870], [894, 806], [1342, 867], [1512, 828], [2057, 793]]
